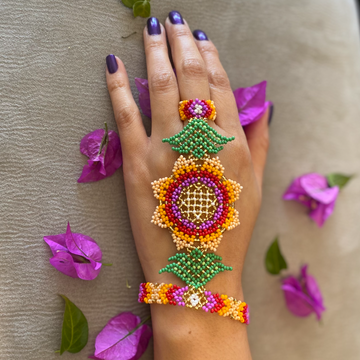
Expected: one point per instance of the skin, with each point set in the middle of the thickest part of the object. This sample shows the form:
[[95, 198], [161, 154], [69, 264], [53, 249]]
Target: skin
[[183, 333]]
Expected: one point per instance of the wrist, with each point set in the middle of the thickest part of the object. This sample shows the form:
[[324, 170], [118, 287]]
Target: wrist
[[181, 333]]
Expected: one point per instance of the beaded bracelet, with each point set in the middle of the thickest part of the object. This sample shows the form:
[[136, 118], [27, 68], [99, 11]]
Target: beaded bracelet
[[223, 305], [197, 205]]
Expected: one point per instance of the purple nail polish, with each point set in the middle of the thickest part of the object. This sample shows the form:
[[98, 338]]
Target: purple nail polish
[[153, 26], [200, 35], [271, 113], [111, 63], [176, 18]]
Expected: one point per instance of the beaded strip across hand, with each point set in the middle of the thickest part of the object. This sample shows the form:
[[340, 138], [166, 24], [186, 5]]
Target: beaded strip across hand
[[197, 205]]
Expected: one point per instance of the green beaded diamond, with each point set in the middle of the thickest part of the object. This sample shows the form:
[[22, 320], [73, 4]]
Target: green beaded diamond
[[195, 268], [198, 137]]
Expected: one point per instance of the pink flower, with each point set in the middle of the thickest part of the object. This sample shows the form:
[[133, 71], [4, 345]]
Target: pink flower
[[118, 340], [251, 103], [303, 295], [103, 149], [313, 191], [75, 255], [144, 96]]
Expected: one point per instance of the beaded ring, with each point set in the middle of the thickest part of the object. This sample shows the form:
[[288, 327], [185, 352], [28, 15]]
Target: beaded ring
[[188, 296], [197, 205], [190, 109]]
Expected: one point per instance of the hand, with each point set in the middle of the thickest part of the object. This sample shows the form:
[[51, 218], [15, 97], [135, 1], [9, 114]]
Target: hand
[[181, 333]]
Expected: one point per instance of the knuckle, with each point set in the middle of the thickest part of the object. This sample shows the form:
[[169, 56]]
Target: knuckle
[[194, 68], [219, 79], [125, 116], [209, 50], [154, 45], [182, 31], [162, 81], [119, 83]]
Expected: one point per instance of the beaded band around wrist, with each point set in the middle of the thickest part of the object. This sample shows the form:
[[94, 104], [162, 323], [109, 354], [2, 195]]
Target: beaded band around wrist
[[197, 205], [188, 296]]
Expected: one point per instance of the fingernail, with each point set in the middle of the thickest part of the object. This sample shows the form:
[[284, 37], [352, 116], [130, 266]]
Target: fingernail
[[176, 18], [111, 63], [271, 113], [200, 35], [153, 26]]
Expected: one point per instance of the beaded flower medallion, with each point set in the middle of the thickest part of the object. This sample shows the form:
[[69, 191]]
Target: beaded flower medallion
[[197, 205]]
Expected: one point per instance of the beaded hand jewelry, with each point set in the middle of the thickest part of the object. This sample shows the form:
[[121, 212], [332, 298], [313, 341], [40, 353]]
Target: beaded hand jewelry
[[197, 204]]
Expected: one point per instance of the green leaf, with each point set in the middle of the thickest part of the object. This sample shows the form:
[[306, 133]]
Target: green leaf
[[129, 3], [75, 330], [142, 8], [337, 179], [274, 261]]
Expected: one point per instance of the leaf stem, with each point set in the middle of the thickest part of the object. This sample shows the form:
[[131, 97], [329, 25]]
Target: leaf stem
[[104, 140], [127, 36]]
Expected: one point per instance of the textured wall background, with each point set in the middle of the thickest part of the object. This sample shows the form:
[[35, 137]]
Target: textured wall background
[[52, 92]]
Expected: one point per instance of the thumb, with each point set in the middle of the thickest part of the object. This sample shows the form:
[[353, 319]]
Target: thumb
[[257, 135]]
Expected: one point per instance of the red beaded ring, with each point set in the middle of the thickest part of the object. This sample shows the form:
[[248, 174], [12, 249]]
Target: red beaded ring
[[190, 109]]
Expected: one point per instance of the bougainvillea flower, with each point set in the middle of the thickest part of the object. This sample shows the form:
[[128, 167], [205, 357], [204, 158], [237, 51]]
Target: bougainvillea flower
[[103, 149], [144, 96], [75, 255], [118, 340], [251, 103], [302, 295], [313, 191]]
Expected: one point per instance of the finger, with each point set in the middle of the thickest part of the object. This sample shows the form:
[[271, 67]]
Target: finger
[[189, 65], [127, 115], [164, 93], [220, 89], [257, 135]]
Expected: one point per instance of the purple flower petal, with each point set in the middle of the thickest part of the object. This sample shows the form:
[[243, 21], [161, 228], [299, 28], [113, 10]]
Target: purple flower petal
[[90, 144], [145, 336], [103, 164], [86, 271], [144, 96], [86, 247], [91, 172], [296, 192], [313, 191], [251, 103], [112, 343], [64, 262], [303, 296], [75, 255], [313, 290], [293, 282], [56, 243], [297, 302], [316, 186]]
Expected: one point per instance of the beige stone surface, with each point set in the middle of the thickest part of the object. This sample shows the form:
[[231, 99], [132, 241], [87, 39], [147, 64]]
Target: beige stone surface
[[53, 92]]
